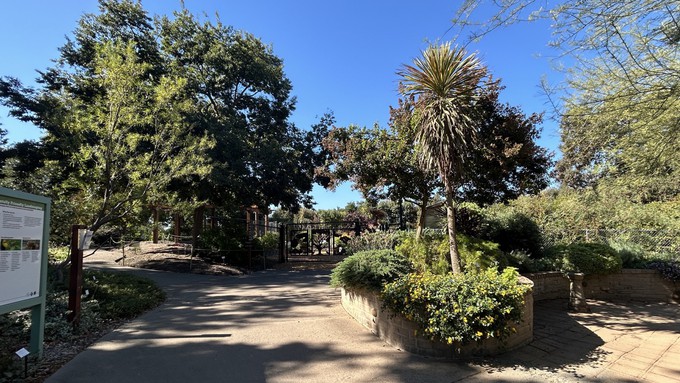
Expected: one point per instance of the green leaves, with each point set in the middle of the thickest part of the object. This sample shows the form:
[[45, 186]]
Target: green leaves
[[240, 97], [620, 123], [587, 258], [370, 269], [174, 111], [442, 72], [133, 135], [619, 103], [459, 308], [444, 81]]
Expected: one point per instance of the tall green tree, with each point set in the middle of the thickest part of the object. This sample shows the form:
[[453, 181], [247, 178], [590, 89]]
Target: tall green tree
[[79, 83], [129, 90], [134, 139], [243, 99], [381, 163], [444, 82], [621, 124], [507, 162]]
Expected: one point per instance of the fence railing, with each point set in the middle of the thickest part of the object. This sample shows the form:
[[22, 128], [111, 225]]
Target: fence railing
[[657, 241]]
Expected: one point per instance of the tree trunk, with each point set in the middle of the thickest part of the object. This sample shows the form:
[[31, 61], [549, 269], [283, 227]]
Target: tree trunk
[[422, 217], [451, 224], [401, 214]]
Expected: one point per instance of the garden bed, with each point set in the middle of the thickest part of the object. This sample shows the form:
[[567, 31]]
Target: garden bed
[[366, 308]]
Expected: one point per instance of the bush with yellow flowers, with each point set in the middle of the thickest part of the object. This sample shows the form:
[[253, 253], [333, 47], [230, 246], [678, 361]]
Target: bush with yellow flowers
[[459, 308]]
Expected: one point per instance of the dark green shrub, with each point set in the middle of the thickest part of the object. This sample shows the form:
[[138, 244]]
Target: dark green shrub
[[522, 261], [668, 269], [587, 258], [470, 219], [514, 231], [221, 239], [268, 241], [370, 269], [459, 308]]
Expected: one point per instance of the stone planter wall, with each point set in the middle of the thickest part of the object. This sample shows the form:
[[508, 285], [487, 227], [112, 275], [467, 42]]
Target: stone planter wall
[[629, 284], [366, 308], [549, 285]]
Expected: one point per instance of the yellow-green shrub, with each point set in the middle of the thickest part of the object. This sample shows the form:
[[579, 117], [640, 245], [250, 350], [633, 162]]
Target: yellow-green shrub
[[431, 253], [459, 308]]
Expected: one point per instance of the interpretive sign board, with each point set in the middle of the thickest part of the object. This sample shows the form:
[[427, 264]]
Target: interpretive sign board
[[21, 230], [24, 233]]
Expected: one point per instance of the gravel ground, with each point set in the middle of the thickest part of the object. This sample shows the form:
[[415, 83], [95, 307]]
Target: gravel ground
[[160, 256], [177, 258]]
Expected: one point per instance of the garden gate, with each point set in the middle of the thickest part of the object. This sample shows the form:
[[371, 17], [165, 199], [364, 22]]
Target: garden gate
[[318, 239]]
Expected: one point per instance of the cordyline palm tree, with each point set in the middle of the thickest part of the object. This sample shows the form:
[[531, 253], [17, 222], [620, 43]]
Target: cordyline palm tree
[[444, 82]]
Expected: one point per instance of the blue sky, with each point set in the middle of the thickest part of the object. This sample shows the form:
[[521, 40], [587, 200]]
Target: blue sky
[[341, 56]]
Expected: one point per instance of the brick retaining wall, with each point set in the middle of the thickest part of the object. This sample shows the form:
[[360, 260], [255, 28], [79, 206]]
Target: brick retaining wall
[[629, 284], [549, 285], [365, 307]]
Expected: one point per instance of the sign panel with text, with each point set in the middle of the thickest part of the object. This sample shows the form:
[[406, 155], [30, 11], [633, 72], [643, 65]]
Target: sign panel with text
[[21, 246]]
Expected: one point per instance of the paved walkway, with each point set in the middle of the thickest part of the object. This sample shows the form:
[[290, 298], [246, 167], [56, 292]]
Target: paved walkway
[[288, 326]]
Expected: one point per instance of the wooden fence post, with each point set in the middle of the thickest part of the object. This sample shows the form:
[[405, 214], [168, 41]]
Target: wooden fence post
[[76, 277], [155, 224]]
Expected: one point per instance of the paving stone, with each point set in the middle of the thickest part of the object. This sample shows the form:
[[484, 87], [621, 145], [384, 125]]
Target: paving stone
[[622, 345], [639, 358], [616, 376], [629, 367], [673, 373], [656, 378]]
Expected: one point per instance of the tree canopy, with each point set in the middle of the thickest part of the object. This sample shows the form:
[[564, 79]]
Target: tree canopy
[[507, 162], [383, 163], [172, 110], [242, 98], [618, 106]]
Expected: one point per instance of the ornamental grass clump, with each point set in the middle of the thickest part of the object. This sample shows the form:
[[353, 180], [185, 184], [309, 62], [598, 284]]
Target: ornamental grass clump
[[460, 308], [380, 240]]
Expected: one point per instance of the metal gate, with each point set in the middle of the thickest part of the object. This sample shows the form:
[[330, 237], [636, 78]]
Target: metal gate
[[317, 239]]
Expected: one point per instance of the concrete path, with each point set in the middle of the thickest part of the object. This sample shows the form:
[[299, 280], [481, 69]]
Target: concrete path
[[288, 326]]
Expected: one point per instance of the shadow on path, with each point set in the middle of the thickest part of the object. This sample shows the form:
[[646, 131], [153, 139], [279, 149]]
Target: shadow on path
[[560, 343], [288, 326]]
